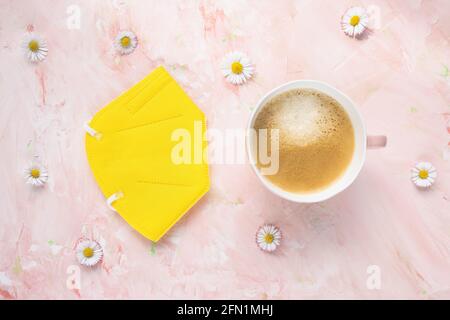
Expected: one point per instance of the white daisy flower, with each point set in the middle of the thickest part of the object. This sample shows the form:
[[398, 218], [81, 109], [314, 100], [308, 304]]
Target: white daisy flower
[[36, 175], [423, 174], [89, 252], [268, 237], [355, 21], [237, 68], [125, 42], [35, 47]]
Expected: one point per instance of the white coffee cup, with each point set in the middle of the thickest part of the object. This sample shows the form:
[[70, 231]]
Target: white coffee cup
[[362, 142]]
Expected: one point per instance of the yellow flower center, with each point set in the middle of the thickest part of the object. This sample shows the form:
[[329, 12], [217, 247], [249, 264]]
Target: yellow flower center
[[88, 252], [33, 45], [237, 67], [423, 174], [354, 21], [268, 238], [35, 173], [125, 41]]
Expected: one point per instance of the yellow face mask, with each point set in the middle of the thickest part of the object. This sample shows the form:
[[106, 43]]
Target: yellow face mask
[[130, 147]]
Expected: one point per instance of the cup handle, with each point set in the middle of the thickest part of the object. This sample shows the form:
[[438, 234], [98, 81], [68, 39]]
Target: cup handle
[[375, 142]]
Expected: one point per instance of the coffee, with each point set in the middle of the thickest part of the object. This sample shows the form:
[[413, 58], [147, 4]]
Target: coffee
[[316, 139]]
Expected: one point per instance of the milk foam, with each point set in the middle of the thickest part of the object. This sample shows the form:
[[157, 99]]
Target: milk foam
[[316, 138], [304, 116]]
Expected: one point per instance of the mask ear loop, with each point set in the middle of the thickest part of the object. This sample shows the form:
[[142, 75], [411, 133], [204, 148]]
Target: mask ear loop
[[112, 198], [94, 133], [97, 135]]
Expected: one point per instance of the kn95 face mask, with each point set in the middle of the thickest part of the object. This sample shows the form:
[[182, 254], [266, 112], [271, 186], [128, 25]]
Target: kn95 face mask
[[147, 153]]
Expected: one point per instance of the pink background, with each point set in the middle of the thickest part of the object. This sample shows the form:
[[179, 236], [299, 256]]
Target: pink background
[[398, 76]]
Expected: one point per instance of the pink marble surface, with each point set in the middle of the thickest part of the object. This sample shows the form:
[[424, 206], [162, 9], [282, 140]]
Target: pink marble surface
[[398, 76]]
